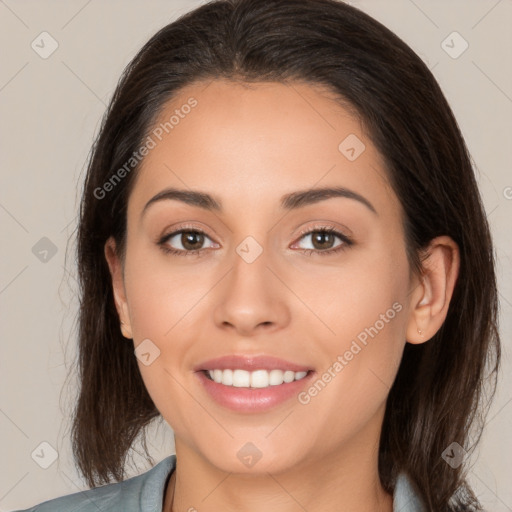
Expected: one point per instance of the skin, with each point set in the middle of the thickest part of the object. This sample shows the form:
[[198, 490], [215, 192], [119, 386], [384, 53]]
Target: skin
[[248, 146]]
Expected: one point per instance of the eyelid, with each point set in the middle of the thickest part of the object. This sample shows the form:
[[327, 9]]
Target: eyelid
[[186, 226], [324, 225], [319, 226]]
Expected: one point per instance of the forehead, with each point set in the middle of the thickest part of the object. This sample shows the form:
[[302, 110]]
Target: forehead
[[249, 143]]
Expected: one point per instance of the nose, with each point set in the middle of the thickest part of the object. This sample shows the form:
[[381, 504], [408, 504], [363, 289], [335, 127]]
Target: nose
[[252, 298]]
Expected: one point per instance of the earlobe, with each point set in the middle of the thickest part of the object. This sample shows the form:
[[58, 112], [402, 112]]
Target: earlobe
[[126, 331], [421, 311], [431, 299], [116, 273]]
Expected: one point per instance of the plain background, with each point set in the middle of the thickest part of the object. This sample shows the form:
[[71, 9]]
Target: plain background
[[51, 110]]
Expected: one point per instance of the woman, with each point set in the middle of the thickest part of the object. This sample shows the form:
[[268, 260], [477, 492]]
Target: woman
[[280, 217]]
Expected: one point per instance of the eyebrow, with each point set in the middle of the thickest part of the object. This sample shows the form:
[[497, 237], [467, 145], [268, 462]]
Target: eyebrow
[[290, 201]]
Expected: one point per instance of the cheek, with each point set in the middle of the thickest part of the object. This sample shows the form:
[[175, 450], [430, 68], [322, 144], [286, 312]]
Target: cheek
[[363, 316], [162, 294], [163, 304], [355, 296], [168, 304]]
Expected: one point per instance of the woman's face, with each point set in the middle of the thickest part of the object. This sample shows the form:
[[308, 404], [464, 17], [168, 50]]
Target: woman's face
[[268, 282]]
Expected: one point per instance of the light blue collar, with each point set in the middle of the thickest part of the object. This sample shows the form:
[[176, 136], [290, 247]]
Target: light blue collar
[[406, 497]]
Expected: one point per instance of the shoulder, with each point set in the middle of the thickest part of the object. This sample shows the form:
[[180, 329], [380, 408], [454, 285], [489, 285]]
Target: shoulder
[[142, 493]]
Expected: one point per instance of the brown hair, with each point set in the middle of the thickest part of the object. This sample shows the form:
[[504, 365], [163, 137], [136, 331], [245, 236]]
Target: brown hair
[[440, 388]]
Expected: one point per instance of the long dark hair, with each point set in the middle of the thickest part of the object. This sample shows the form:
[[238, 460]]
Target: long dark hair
[[439, 395]]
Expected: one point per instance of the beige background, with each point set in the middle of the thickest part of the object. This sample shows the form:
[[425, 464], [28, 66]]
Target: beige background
[[50, 111]]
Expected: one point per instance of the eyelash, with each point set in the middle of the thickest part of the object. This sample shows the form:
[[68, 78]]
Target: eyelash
[[347, 242]]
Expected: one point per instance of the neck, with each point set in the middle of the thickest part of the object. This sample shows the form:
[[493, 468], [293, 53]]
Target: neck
[[349, 477]]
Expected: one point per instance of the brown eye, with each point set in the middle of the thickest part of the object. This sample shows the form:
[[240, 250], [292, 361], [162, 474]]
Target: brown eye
[[192, 240], [323, 241], [188, 242]]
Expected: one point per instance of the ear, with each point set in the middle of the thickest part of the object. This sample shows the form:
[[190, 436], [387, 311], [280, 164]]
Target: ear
[[431, 298], [116, 273]]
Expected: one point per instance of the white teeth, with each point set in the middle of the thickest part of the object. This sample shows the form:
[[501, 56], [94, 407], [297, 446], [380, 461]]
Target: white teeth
[[275, 377], [226, 377], [289, 376], [241, 379], [255, 379], [259, 379]]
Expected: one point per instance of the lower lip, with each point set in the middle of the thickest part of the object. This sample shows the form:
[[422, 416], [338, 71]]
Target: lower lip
[[253, 399]]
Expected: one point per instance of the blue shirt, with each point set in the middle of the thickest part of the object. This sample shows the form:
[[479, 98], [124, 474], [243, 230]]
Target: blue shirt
[[145, 493]]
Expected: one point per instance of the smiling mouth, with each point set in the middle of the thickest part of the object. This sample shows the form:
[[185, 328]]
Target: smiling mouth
[[253, 379]]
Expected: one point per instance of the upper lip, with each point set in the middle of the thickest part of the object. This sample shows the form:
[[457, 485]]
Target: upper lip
[[250, 363]]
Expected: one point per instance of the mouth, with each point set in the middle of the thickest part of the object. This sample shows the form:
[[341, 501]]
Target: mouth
[[252, 384], [259, 379]]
